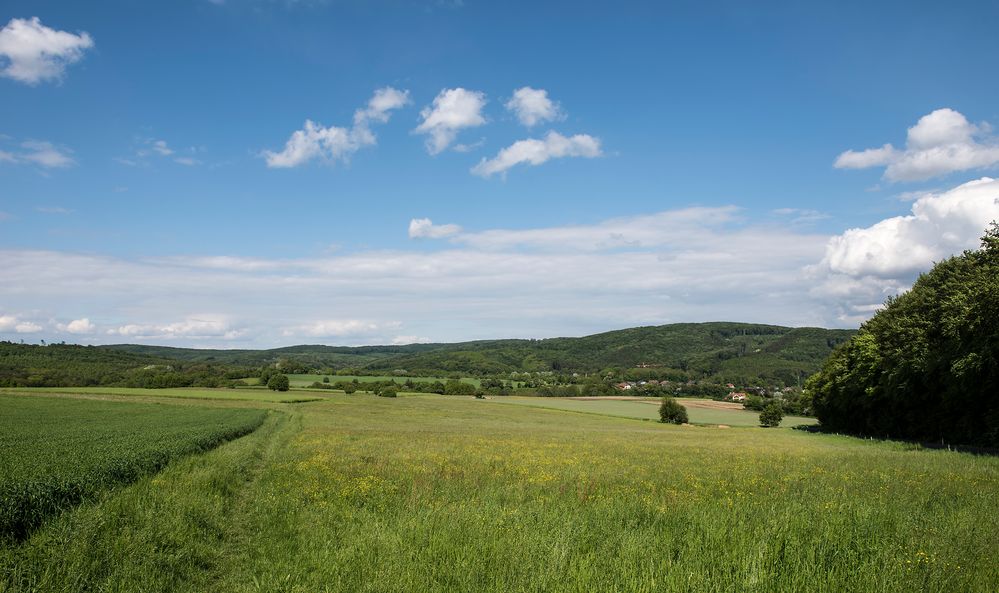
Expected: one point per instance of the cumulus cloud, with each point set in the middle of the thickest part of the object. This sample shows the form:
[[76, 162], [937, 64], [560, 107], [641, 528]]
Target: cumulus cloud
[[331, 144], [452, 111], [863, 266], [78, 326], [40, 153], [941, 142], [32, 53], [14, 323], [535, 152], [532, 106], [424, 228]]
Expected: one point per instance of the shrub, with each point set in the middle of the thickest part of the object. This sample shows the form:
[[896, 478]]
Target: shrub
[[326, 379], [387, 392], [349, 388], [278, 382], [771, 415], [672, 411]]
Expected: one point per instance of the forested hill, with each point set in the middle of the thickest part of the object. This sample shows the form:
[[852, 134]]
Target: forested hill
[[737, 352], [727, 351]]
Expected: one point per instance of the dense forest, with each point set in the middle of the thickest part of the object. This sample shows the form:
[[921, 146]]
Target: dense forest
[[926, 366], [739, 353]]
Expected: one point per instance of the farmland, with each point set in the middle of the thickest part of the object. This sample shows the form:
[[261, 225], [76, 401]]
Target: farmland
[[700, 411], [359, 493], [256, 395], [306, 380], [59, 451]]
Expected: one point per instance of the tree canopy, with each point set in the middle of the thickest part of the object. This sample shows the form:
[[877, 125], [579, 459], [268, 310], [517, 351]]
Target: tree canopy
[[925, 366]]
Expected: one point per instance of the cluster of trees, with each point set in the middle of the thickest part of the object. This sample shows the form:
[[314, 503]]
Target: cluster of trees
[[926, 366], [70, 365]]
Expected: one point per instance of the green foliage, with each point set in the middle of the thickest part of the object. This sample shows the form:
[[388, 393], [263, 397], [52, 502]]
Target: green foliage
[[387, 391], [456, 387], [771, 415], [59, 451], [926, 366], [278, 382], [671, 411]]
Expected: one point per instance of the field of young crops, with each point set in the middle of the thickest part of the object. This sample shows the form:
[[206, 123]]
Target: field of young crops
[[59, 451], [253, 395]]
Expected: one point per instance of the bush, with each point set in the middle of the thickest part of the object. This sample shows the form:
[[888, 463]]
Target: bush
[[672, 411], [387, 392], [771, 415], [349, 388], [278, 382]]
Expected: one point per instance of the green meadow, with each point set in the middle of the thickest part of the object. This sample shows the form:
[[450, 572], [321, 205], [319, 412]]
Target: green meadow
[[649, 410], [306, 380], [359, 493]]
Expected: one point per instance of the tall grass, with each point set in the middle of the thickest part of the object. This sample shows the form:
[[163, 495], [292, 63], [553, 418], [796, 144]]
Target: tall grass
[[357, 493]]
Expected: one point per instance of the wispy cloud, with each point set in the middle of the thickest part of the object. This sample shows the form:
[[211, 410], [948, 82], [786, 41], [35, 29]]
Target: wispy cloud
[[39, 153], [535, 152], [332, 144]]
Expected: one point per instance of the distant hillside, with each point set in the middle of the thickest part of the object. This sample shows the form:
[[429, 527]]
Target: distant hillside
[[737, 352], [726, 351]]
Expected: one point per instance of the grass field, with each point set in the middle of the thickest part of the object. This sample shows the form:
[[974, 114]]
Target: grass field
[[256, 395], [57, 451], [649, 410], [362, 493], [306, 380]]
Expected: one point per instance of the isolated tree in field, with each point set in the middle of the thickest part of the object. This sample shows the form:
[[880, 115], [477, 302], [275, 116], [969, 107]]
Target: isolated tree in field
[[671, 411], [771, 415], [278, 382]]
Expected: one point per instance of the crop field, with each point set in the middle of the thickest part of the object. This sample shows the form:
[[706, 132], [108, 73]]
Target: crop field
[[58, 451], [699, 411], [256, 395], [306, 380], [359, 493]]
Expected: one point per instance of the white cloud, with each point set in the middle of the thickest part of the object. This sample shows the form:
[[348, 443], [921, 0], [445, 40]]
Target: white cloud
[[424, 228], [941, 142], [14, 323], [690, 264], [453, 110], [535, 152], [314, 141], [404, 340], [532, 106], [187, 161], [41, 153], [196, 327], [33, 53], [78, 326], [340, 328], [863, 266], [53, 210]]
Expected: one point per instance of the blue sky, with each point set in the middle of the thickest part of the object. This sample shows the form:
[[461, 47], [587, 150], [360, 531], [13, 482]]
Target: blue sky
[[684, 162]]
